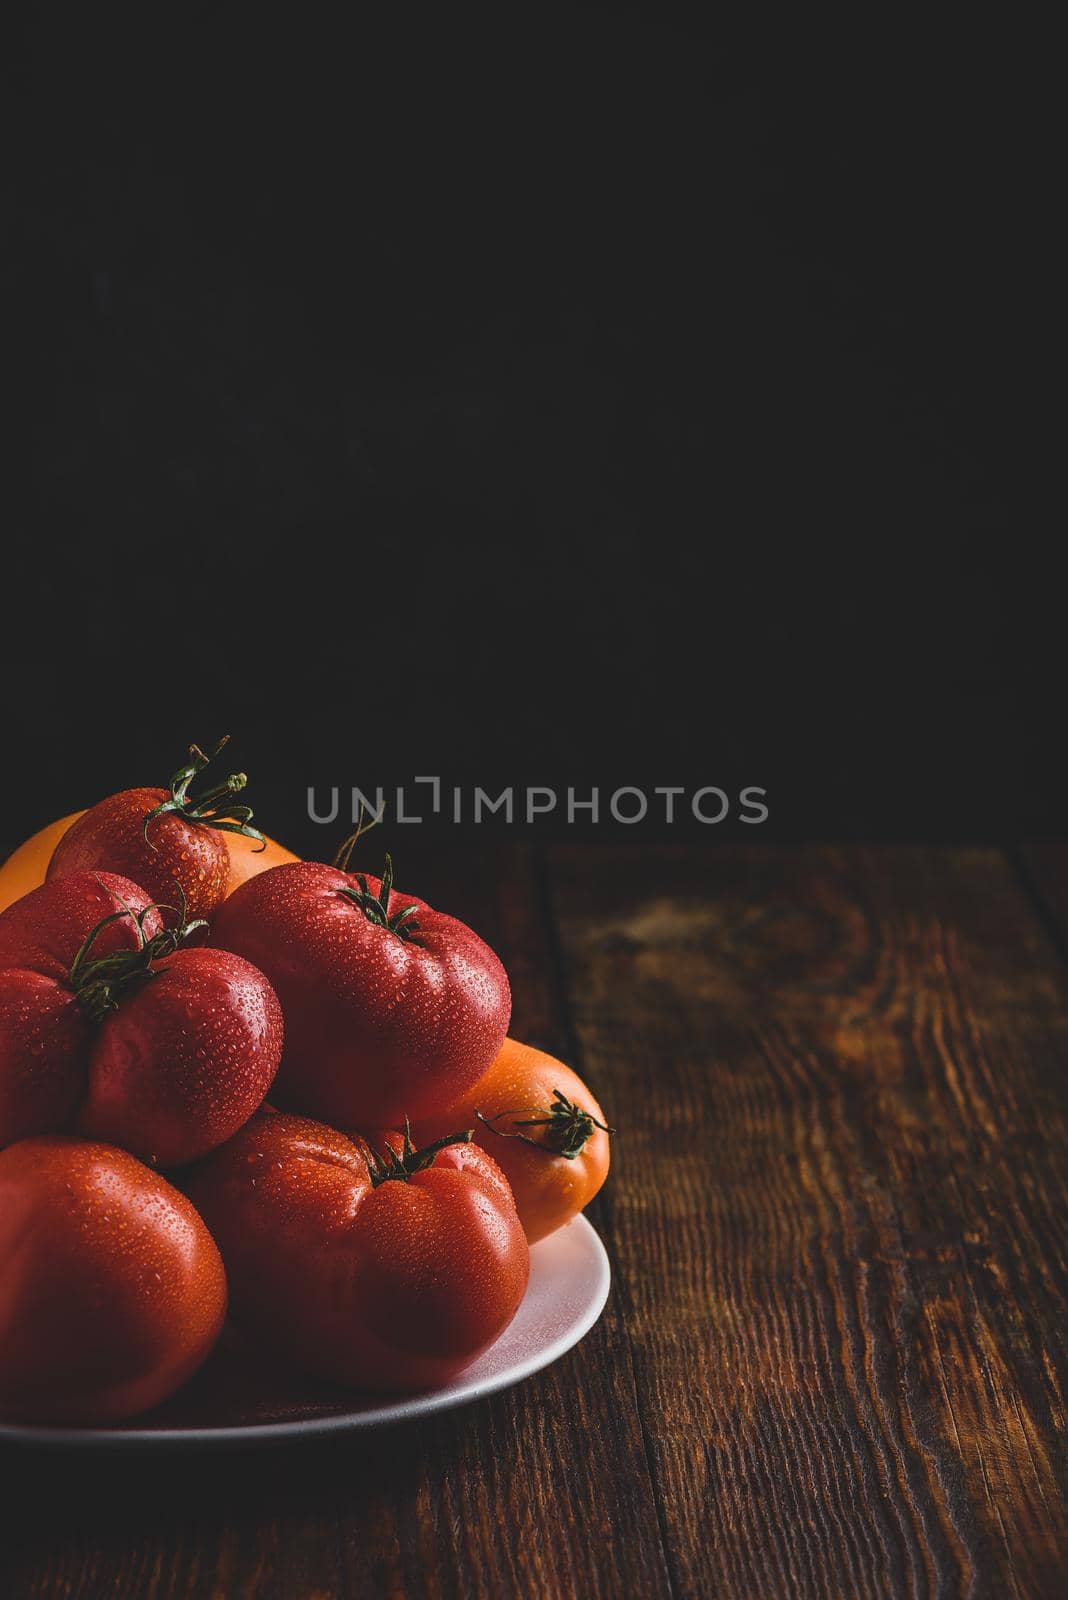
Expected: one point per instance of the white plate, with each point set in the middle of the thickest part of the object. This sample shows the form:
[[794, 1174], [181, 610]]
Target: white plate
[[240, 1400]]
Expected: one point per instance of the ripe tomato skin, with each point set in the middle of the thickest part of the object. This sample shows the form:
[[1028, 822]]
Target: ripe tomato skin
[[26, 867], [248, 858], [398, 1286], [173, 1071], [185, 1059], [45, 929], [110, 836], [44, 1036], [112, 1291], [377, 1027], [549, 1188], [27, 864], [44, 1041]]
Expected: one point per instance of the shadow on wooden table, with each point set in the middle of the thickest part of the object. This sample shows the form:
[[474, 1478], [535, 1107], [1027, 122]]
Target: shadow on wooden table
[[279, 1519]]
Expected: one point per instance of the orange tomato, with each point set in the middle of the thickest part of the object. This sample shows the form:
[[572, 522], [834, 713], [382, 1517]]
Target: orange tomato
[[246, 861], [543, 1128], [25, 868]]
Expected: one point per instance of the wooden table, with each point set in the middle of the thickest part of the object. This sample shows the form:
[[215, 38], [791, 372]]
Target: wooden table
[[835, 1356]]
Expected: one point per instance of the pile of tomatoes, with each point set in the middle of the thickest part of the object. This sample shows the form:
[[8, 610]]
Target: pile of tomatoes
[[236, 1084]]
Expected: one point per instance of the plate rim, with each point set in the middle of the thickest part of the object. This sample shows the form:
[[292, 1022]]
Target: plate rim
[[408, 1408]]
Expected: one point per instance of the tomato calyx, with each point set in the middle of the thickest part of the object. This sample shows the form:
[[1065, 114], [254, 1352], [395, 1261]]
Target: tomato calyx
[[376, 907], [389, 1165], [216, 808], [567, 1126], [99, 982], [345, 848]]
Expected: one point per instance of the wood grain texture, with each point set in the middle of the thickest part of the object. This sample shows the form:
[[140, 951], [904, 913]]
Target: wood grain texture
[[838, 1208], [836, 1352]]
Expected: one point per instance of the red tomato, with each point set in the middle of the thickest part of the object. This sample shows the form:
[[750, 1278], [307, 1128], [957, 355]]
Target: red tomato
[[544, 1129], [112, 1291], [161, 1050], [391, 1008], [164, 839], [44, 1034], [46, 928], [392, 1281]]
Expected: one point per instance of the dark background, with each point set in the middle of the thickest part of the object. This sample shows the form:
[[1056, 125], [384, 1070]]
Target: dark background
[[582, 398]]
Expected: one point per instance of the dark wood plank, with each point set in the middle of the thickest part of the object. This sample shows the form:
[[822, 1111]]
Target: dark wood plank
[[1043, 866], [542, 1491], [838, 1209]]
